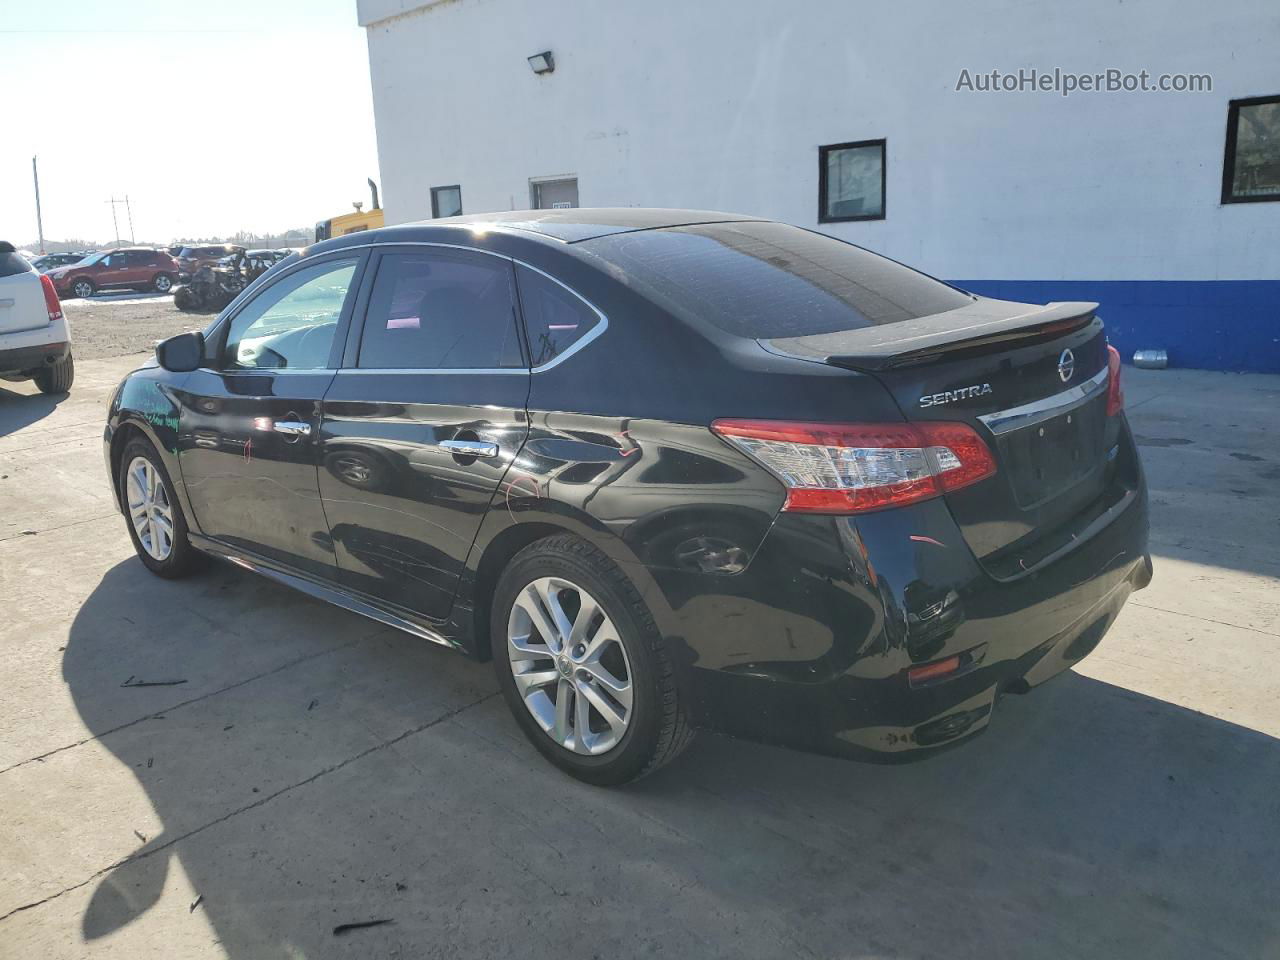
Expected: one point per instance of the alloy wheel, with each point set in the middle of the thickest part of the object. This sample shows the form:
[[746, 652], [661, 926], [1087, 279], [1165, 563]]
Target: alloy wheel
[[570, 666], [149, 508], [163, 284], [83, 290]]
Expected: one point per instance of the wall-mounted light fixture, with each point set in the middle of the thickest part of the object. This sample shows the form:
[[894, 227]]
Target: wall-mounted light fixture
[[542, 62]]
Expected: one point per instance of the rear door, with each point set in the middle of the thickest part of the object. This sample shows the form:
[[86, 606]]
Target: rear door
[[248, 446], [422, 422], [22, 305], [141, 267]]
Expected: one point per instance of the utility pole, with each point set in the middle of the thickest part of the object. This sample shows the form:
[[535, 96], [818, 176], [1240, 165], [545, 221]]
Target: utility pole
[[35, 173], [129, 211], [114, 222]]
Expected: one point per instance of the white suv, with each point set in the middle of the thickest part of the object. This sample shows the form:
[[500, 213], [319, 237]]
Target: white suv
[[35, 338]]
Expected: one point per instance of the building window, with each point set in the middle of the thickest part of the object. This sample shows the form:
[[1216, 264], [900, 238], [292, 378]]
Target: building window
[[446, 201], [1251, 169], [851, 181], [554, 193]]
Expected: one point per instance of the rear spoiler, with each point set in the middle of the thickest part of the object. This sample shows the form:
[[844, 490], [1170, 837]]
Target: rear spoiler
[[980, 324]]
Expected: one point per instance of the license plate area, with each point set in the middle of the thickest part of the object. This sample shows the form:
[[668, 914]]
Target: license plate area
[[1046, 459]]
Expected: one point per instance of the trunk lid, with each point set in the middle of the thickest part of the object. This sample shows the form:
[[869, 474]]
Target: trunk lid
[[22, 305], [1031, 380]]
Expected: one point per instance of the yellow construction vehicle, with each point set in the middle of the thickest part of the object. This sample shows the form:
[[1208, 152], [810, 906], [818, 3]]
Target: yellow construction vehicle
[[346, 223]]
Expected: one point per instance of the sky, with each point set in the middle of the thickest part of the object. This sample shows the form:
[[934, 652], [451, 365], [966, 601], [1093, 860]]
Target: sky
[[213, 117]]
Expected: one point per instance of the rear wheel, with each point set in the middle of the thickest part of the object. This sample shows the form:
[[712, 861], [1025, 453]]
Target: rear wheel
[[57, 377], [163, 283], [582, 665], [82, 288], [157, 526]]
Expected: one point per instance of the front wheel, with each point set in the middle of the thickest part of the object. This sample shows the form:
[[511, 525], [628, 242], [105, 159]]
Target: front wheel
[[58, 377], [82, 288], [157, 526], [163, 283], [582, 666]]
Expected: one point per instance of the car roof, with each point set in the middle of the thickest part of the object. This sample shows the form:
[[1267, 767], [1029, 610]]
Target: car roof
[[584, 223]]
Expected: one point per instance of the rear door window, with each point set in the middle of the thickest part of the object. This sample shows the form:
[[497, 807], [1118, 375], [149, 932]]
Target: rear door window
[[555, 318], [12, 264], [765, 280], [439, 311]]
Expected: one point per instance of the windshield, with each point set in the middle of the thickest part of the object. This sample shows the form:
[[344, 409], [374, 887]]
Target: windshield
[[91, 258]]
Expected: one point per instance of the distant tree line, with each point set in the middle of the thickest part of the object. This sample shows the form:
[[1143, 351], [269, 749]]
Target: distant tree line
[[298, 237]]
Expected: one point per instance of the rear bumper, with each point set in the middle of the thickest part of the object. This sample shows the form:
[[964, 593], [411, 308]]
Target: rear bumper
[[811, 646], [25, 358]]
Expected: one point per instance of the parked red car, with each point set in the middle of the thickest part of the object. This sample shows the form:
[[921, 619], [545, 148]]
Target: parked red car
[[139, 268]]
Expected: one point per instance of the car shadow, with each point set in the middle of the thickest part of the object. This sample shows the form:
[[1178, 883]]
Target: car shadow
[[1090, 820], [18, 410]]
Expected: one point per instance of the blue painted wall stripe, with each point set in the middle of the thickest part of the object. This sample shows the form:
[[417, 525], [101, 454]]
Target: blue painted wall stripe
[[1206, 324]]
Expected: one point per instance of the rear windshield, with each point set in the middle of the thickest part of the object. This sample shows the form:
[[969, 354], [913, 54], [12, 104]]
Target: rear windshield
[[12, 264], [769, 280]]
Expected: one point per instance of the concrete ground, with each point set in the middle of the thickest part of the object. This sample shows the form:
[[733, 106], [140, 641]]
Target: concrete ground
[[315, 769]]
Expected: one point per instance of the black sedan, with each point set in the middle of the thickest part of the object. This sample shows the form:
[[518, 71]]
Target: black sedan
[[667, 469]]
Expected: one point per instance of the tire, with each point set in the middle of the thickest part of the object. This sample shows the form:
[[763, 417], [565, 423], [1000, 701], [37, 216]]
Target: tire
[[183, 299], [162, 283], [82, 288], [181, 559], [58, 377], [655, 727]]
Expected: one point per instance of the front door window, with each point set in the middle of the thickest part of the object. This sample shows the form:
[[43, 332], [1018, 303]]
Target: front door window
[[291, 325]]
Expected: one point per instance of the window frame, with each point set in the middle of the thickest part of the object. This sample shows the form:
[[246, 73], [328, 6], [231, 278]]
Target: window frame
[[435, 200], [824, 151], [1229, 153], [216, 338]]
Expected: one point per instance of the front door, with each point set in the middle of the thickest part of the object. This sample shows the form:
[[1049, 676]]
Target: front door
[[422, 422], [249, 436], [115, 271]]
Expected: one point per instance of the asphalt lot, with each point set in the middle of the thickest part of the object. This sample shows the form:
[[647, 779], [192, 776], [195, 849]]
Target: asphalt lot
[[316, 769]]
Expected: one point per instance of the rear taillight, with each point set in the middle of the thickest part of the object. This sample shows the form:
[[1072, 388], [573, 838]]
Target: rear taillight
[[856, 467], [1115, 395], [51, 301]]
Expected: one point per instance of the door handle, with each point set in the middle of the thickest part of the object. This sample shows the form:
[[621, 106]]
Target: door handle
[[469, 448], [291, 428]]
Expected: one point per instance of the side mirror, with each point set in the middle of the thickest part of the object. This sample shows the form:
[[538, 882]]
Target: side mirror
[[181, 354]]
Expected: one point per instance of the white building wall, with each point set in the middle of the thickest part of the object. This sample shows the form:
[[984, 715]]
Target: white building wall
[[722, 104]]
